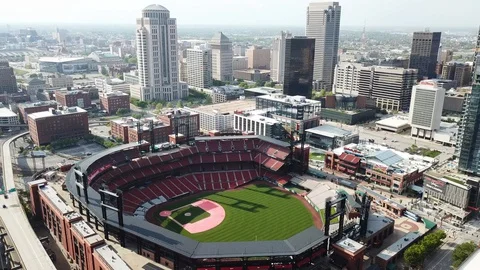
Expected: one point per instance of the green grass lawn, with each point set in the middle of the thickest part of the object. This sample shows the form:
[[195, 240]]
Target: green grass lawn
[[333, 211], [196, 214], [317, 156], [257, 212]]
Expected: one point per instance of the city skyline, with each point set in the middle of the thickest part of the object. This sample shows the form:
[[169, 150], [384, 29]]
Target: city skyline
[[356, 13]]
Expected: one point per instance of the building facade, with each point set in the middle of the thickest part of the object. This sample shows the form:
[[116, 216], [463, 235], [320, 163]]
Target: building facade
[[299, 66], [277, 61], [323, 25], [59, 80], [73, 98], [79, 241], [8, 119], [346, 78], [258, 57], [131, 130], [156, 38], [253, 75], [48, 126], [426, 108], [468, 140], [256, 122], [29, 107], [240, 63], [111, 102], [182, 122], [222, 57], [424, 53], [199, 67], [391, 87], [8, 82]]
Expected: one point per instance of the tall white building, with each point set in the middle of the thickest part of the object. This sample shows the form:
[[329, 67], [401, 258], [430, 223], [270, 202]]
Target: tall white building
[[323, 24], [277, 62], [157, 56], [346, 78], [222, 57], [199, 67], [426, 109]]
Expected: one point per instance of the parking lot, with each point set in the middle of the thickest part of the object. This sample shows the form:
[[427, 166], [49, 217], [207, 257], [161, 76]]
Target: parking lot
[[82, 150]]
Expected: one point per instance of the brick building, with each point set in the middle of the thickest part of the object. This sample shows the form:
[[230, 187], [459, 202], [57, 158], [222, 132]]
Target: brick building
[[73, 98], [80, 242], [113, 101], [48, 126], [127, 130], [34, 107], [187, 123]]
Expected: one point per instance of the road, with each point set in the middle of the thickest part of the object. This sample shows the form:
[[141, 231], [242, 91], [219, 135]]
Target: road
[[26, 243]]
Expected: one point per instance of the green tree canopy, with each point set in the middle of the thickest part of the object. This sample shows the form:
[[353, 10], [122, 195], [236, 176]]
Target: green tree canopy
[[414, 255], [179, 104], [462, 252], [159, 107]]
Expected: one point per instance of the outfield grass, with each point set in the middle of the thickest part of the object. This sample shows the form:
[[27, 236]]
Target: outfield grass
[[254, 213], [196, 214], [19, 72], [317, 156]]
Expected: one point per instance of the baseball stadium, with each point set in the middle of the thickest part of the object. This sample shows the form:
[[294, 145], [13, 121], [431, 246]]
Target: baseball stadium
[[215, 203]]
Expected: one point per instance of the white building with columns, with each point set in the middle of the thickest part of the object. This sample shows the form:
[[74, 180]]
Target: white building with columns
[[156, 39]]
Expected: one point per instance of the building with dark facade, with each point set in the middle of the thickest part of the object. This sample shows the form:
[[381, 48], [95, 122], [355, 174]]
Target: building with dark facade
[[299, 57], [73, 98], [468, 143], [112, 102], [424, 54], [48, 126], [8, 82]]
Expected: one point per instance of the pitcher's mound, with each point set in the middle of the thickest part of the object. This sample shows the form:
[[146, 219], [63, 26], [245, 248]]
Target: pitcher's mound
[[165, 213]]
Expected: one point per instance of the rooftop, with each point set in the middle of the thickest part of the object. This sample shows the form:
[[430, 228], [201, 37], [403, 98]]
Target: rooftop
[[394, 121], [6, 112], [71, 92], [398, 246], [156, 7], [329, 131], [376, 223], [52, 113], [114, 94], [111, 258], [264, 90], [83, 229], [37, 104], [350, 245], [131, 122], [60, 59], [55, 200], [258, 116], [390, 160], [227, 107], [253, 71], [293, 100]]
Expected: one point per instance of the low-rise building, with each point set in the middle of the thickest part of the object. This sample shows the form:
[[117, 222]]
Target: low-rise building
[[82, 245], [33, 85], [256, 122], [182, 122], [220, 116], [225, 93], [111, 102], [395, 251], [397, 124], [131, 77], [60, 81], [385, 167], [329, 137], [34, 107], [48, 126], [253, 75], [73, 98], [349, 117], [129, 129], [8, 119], [112, 85]]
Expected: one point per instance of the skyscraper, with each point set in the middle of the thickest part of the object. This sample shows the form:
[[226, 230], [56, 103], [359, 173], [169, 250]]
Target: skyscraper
[[425, 46], [299, 59], [468, 139], [277, 61], [323, 24], [222, 57], [157, 57], [199, 67], [258, 57], [426, 109], [8, 82]]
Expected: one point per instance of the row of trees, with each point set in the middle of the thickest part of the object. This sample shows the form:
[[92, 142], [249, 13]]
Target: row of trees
[[462, 252], [415, 255]]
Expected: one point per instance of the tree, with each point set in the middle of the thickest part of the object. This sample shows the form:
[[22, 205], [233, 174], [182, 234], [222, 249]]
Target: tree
[[179, 104], [414, 255], [159, 107], [217, 83], [137, 115], [122, 112], [132, 60], [208, 100], [169, 105], [120, 76], [259, 84], [104, 71], [34, 75], [240, 80], [462, 252], [244, 85]]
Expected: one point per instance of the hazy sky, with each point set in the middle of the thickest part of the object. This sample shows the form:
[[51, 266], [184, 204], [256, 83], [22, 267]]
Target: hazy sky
[[416, 13]]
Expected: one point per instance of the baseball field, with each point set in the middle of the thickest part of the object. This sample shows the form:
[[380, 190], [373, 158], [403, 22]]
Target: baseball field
[[256, 212]]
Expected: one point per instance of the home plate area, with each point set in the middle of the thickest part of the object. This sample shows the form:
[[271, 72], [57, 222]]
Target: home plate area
[[197, 217]]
